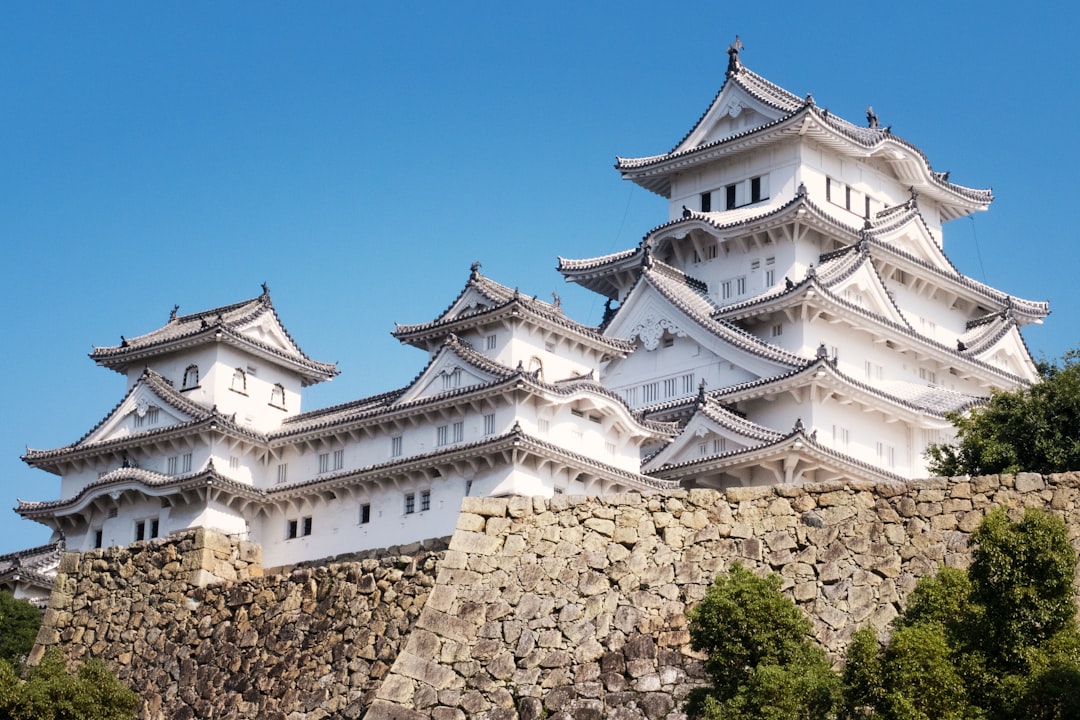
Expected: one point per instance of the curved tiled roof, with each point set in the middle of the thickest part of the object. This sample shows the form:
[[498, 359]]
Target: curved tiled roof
[[505, 300], [783, 446], [794, 112], [204, 326], [700, 309], [200, 416], [145, 478], [916, 397], [505, 379]]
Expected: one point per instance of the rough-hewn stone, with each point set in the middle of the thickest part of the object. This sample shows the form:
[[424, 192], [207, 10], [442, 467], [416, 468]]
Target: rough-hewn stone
[[568, 607]]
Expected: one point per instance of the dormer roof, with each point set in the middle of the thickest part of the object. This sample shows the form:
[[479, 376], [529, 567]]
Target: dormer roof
[[775, 113], [483, 301], [252, 325]]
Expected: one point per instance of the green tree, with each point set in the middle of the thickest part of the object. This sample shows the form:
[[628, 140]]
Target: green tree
[[761, 655], [19, 623], [996, 641], [1035, 429], [51, 693]]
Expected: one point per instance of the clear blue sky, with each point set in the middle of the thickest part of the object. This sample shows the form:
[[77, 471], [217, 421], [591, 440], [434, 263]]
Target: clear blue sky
[[359, 156]]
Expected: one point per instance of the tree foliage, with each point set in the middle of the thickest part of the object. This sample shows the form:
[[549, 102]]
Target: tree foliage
[[51, 693], [19, 623], [1033, 429], [996, 641], [761, 656]]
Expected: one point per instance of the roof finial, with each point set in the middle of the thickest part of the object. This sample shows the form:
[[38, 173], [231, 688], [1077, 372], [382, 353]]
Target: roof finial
[[646, 257], [474, 270], [914, 200], [701, 392], [172, 315], [871, 118], [266, 290], [733, 55], [555, 299]]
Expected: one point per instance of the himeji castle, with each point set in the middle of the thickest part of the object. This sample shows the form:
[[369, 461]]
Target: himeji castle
[[794, 320]]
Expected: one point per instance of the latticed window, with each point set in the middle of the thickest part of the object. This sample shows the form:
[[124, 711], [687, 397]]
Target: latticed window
[[191, 377]]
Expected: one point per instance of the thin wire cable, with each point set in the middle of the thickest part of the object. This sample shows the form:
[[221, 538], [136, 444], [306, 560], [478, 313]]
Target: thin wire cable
[[978, 252]]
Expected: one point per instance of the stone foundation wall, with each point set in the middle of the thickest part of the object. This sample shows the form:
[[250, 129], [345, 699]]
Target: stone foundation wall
[[191, 623], [568, 607]]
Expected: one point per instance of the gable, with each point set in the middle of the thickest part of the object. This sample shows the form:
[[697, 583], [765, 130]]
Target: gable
[[1010, 354], [864, 289], [703, 437], [265, 329], [447, 373], [648, 317], [733, 111], [915, 240], [143, 410]]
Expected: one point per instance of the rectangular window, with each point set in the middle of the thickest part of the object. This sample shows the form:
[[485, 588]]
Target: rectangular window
[[730, 197], [778, 329], [339, 459], [610, 447], [155, 525], [395, 446], [140, 531], [755, 265], [841, 436], [307, 525], [152, 416], [543, 425], [740, 285], [725, 290], [234, 462], [442, 435], [410, 503], [452, 379], [171, 465], [98, 538], [719, 445], [706, 202], [710, 252], [459, 431], [631, 396], [324, 462], [755, 190], [669, 387], [703, 449], [489, 424], [770, 278], [282, 473], [425, 500], [292, 528], [365, 513], [185, 463], [688, 383], [138, 420]]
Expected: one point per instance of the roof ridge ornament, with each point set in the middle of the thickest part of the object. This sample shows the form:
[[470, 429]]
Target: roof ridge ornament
[[474, 270], [871, 118], [172, 315], [265, 290], [733, 63], [809, 99]]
